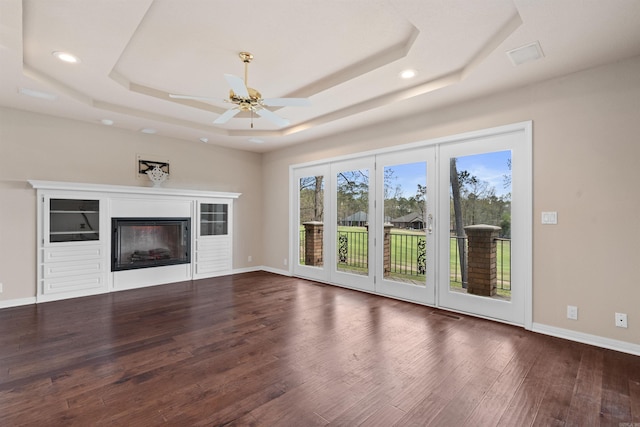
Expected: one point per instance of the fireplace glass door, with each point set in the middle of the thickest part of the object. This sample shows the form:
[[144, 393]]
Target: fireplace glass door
[[150, 242]]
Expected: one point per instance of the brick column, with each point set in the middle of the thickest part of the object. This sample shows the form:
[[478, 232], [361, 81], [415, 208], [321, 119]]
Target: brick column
[[313, 231], [482, 259], [387, 248]]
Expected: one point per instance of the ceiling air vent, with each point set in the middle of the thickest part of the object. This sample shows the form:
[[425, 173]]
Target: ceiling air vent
[[527, 53]]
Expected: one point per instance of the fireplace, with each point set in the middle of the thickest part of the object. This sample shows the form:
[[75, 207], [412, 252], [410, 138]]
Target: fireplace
[[149, 242]]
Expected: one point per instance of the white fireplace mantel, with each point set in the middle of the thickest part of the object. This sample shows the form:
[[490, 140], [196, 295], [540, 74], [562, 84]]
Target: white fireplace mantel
[[104, 188]]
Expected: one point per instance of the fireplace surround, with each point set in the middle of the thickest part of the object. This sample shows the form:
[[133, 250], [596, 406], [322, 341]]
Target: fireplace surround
[[198, 223]]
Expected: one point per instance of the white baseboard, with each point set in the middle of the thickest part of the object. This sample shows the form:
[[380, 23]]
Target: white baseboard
[[247, 269], [611, 344], [260, 268], [275, 271], [17, 302]]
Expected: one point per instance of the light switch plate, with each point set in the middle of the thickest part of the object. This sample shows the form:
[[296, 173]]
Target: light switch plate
[[549, 217]]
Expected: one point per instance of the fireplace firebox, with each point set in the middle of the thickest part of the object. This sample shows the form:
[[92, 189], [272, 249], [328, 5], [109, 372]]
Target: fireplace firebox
[[149, 242]]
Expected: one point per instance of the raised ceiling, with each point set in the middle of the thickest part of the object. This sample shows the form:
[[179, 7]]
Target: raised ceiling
[[345, 56]]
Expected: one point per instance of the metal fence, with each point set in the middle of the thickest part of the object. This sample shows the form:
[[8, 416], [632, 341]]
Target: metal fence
[[407, 255], [353, 249]]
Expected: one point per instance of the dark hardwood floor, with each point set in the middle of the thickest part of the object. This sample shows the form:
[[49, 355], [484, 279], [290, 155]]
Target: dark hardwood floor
[[263, 349]]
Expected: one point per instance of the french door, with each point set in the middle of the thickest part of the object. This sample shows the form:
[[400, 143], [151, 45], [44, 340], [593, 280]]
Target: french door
[[485, 254], [353, 223], [402, 223], [405, 240], [310, 232], [334, 215]]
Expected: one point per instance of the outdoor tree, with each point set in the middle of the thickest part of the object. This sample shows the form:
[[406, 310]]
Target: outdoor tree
[[311, 198], [457, 213], [353, 193], [420, 199]]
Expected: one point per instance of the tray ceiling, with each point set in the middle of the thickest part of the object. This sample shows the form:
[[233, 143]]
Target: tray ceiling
[[345, 56]]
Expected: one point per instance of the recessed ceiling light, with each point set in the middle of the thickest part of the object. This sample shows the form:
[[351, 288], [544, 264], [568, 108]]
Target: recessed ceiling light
[[37, 94], [106, 122], [148, 130], [527, 53], [66, 57], [256, 140], [408, 74], [204, 139]]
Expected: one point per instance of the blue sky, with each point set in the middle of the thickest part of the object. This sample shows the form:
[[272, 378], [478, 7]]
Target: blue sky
[[490, 167]]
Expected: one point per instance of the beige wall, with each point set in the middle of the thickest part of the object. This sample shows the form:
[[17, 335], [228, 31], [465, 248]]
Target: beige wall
[[586, 148], [34, 146]]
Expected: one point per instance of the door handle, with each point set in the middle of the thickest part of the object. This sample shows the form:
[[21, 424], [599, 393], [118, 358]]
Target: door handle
[[430, 224]]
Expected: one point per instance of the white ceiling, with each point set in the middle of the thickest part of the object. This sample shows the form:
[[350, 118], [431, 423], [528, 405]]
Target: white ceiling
[[344, 55]]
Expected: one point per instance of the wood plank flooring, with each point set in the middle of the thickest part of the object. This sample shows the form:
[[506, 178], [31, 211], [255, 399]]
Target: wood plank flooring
[[259, 349]]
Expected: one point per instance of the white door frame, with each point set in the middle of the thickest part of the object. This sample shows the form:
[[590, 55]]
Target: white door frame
[[320, 273], [364, 282]]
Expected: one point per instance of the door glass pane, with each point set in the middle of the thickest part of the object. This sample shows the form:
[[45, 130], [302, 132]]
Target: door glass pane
[[73, 220], [352, 204], [213, 219], [480, 218], [311, 221], [405, 222]]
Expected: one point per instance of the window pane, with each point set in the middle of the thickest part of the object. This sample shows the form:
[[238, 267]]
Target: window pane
[[311, 215], [480, 196], [405, 205], [352, 204]]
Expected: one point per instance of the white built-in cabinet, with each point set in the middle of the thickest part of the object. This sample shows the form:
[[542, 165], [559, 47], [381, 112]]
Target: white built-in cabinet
[[214, 250], [72, 244], [74, 236]]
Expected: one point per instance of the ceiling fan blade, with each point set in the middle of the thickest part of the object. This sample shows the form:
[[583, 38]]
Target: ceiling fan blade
[[226, 116], [195, 98], [237, 85], [287, 102], [272, 117]]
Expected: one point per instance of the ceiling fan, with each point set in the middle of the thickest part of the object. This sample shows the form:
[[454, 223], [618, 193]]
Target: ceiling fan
[[248, 99]]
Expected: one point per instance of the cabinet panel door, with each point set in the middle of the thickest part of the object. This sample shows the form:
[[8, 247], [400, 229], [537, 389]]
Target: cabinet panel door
[[73, 253], [213, 219], [70, 219], [73, 283], [70, 269], [213, 255]]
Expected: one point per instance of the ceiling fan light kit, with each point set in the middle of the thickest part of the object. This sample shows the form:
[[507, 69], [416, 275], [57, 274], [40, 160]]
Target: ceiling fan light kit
[[247, 99]]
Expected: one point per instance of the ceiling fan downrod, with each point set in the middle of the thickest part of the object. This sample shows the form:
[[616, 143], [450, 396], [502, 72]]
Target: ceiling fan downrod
[[246, 58]]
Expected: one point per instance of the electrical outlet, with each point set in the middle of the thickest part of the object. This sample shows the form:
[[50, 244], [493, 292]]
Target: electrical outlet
[[285, 261], [1, 288], [621, 320], [249, 258], [572, 312]]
